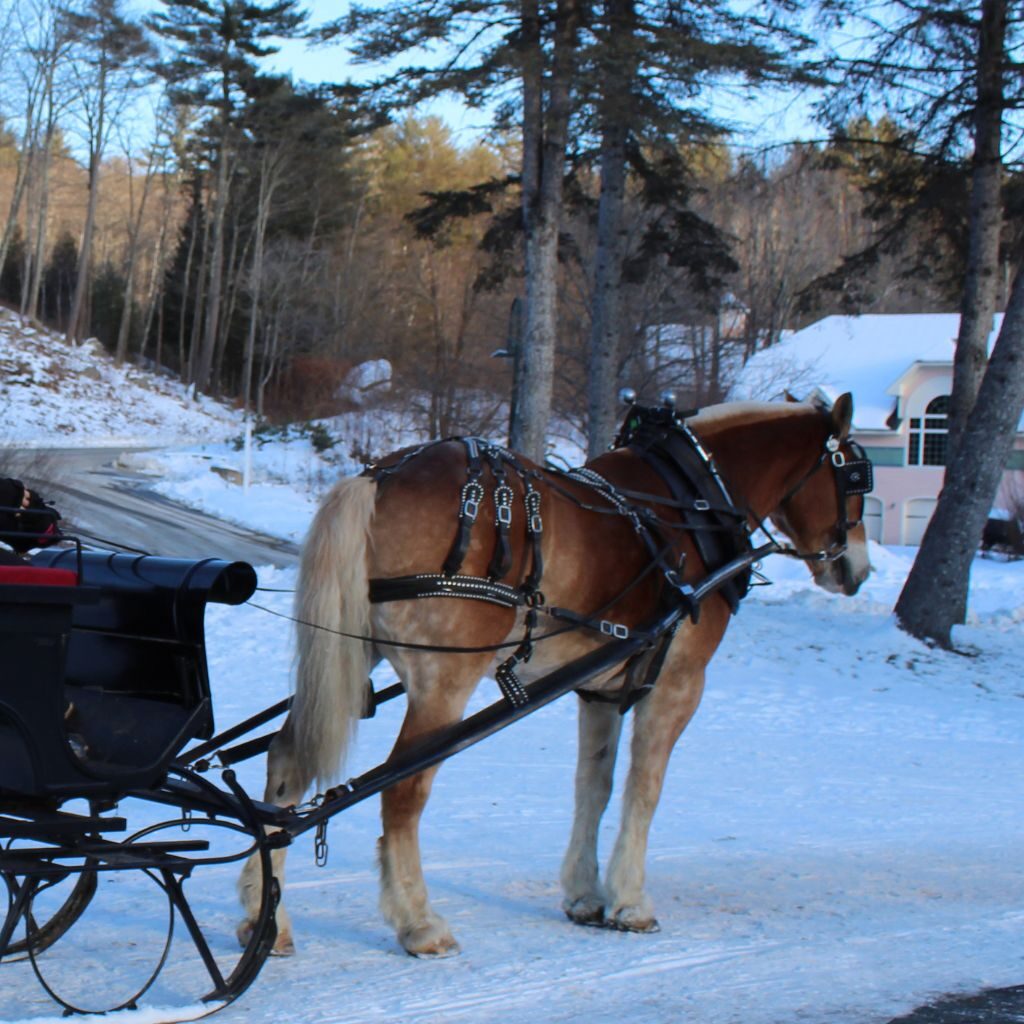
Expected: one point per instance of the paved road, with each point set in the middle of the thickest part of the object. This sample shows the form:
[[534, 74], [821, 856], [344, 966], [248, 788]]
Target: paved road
[[993, 1006], [112, 507]]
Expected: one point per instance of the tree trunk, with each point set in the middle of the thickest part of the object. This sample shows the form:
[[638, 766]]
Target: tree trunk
[[204, 362], [34, 279], [262, 215], [934, 597], [18, 193], [985, 219], [195, 336], [134, 231], [154, 288], [605, 327], [544, 143], [76, 326], [186, 284], [233, 276]]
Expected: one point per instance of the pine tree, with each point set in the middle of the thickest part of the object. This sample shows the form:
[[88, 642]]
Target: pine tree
[[214, 52], [619, 76]]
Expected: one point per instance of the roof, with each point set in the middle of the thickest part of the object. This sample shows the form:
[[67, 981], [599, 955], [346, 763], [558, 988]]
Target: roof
[[866, 355]]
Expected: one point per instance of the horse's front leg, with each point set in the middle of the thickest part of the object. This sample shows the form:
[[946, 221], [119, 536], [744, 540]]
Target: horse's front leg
[[437, 698], [600, 726], [659, 720]]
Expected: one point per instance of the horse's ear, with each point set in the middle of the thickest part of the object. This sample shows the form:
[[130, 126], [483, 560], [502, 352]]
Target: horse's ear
[[842, 414], [789, 396]]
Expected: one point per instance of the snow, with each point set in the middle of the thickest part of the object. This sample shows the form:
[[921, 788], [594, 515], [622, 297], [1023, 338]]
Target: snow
[[52, 393], [366, 381], [838, 839], [862, 354]]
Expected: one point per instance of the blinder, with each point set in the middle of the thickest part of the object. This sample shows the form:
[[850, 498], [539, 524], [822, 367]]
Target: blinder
[[853, 476]]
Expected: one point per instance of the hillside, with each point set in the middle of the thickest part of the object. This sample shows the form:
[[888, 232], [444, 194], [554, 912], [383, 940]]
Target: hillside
[[53, 394]]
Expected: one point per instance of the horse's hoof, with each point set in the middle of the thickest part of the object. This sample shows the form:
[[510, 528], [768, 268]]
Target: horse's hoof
[[585, 911], [244, 933], [633, 919], [284, 945], [427, 943]]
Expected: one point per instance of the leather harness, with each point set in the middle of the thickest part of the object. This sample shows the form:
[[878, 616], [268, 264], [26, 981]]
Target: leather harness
[[700, 502]]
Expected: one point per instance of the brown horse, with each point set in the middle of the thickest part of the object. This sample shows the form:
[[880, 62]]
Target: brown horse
[[778, 461]]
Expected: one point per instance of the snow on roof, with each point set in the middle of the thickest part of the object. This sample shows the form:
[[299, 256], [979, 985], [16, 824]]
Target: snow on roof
[[866, 355]]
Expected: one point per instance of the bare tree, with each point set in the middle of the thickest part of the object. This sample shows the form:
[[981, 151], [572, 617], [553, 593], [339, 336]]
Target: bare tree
[[156, 161], [46, 43], [108, 66]]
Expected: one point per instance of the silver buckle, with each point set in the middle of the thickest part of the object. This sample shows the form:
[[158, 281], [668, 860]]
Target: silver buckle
[[614, 629]]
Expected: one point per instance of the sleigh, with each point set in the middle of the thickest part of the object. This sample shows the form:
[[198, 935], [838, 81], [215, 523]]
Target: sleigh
[[111, 764]]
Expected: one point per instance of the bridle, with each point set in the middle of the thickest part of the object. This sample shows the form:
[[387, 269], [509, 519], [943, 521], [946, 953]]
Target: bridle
[[852, 476]]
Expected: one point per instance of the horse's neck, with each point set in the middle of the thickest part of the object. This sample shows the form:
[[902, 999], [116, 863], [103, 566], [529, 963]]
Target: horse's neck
[[761, 457]]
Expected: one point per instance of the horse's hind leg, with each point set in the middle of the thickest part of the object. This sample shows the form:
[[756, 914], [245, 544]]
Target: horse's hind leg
[[659, 720], [600, 726], [438, 688], [285, 786]]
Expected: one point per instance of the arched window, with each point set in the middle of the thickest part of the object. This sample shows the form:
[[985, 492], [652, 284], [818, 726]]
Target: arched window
[[929, 438]]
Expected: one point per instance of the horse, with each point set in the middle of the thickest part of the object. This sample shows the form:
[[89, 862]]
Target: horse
[[779, 462]]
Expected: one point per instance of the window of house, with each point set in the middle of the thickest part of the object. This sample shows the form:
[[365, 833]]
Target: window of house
[[929, 435]]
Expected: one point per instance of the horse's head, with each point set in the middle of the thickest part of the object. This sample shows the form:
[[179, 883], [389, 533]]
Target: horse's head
[[822, 511]]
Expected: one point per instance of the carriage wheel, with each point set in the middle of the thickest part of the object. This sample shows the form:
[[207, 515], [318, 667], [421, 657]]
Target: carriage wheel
[[53, 927], [115, 912], [90, 971], [194, 886]]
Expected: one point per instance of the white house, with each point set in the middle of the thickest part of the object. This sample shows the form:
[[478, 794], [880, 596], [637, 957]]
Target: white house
[[899, 368]]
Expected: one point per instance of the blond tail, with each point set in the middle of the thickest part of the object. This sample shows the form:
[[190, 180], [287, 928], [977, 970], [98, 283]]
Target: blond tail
[[333, 595]]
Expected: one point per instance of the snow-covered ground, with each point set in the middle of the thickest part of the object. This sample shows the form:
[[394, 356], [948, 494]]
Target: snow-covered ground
[[54, 394], [839, 837]]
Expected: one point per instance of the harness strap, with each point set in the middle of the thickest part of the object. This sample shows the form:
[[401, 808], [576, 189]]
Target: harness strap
[[403, 588], [469, 508], [534, 535], [607, 628], [501, 560], [650, 662], [505, 675], [632, 694]]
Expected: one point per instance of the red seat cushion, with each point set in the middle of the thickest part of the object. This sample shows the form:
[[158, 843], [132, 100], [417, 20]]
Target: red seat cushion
[[37, 576]]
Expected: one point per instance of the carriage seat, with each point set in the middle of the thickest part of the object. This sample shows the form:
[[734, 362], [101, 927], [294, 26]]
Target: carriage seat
[[103, 674]]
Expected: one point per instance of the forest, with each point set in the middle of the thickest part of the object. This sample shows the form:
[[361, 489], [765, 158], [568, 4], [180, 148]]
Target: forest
[[261, 237]]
